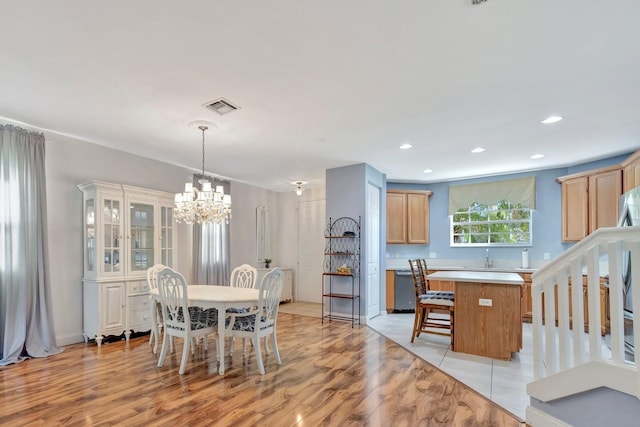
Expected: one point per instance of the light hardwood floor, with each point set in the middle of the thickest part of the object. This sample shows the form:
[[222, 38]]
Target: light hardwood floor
[[332, 375]]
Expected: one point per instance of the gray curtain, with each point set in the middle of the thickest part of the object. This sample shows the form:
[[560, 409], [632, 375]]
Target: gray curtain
[[26, 324], [211, 247]]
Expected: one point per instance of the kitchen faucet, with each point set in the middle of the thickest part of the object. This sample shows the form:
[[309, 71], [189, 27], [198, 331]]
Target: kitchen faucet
[[487, 262]]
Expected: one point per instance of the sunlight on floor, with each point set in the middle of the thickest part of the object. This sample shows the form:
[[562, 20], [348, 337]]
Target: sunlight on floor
[[302, 309]]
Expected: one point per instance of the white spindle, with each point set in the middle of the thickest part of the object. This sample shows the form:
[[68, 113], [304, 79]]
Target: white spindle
[[634, 259], [550, 326], [563, 318], [614, 251], [593, 299], [577, 307], [536, 306]]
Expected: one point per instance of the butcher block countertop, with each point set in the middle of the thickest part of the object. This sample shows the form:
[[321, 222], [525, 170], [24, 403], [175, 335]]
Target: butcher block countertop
[[478, 277]]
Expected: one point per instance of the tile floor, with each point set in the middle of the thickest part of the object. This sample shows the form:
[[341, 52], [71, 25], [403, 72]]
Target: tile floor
[[503, 382]]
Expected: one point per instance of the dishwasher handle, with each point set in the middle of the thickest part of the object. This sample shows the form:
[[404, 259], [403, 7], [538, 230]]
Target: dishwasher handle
[[403, 273]]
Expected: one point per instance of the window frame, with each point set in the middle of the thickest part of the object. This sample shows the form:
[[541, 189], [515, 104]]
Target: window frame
[[488, 222]]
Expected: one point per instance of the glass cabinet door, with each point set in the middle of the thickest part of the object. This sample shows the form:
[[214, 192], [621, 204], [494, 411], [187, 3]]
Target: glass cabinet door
[[142, 236], [90, 235], [111, 223], [166, 236]]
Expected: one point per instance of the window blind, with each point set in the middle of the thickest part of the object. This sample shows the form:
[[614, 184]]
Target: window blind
[[521, 190]]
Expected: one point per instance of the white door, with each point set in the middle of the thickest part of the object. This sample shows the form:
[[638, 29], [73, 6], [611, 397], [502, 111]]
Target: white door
[[311, 243], [373, 251]]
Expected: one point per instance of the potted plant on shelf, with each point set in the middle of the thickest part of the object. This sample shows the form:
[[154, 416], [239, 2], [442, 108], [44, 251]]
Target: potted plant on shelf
[[267, 262]]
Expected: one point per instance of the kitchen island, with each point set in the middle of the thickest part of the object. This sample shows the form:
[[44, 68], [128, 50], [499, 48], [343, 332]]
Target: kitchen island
[[488, 319]]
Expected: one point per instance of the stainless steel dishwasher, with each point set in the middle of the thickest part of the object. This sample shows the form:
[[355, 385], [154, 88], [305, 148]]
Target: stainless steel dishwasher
[[404, 292]]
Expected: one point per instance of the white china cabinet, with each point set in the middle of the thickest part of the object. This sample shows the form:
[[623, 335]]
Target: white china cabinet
[[126, 230]]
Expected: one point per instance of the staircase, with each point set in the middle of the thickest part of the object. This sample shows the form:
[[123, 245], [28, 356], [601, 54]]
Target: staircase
[[577, 380]]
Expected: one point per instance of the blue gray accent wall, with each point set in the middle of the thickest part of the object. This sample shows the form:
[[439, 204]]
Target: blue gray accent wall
[[346, 195], [547, 220]]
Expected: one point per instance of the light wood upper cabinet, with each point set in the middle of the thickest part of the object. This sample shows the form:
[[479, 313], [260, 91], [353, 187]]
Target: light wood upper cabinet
[[408, 217], [631, 172], [590, 200], [575, 209], [605, 190], [396, 217], [418, 218]]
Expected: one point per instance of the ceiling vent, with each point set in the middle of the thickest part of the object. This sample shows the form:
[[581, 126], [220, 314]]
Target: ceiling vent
[[221, 106], [475, 2]]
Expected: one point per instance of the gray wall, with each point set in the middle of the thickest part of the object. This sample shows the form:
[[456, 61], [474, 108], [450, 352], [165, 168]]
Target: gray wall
[[70, 162]]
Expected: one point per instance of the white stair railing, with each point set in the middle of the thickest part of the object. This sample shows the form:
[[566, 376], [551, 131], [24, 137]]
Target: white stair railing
[[566, 361]]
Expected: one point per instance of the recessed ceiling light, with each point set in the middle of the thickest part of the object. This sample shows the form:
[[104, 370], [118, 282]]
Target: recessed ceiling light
[[537, 156], [551, 119], [405, 146], [477, 150], [427, 171]]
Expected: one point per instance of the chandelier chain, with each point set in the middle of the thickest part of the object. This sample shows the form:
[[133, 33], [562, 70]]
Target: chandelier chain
[[203, 129]]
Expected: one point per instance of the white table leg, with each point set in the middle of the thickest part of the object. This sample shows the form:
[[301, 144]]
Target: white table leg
[[221, 318]]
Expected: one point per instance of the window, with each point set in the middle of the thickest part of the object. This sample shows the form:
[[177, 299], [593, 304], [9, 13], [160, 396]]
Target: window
[[503, 224]]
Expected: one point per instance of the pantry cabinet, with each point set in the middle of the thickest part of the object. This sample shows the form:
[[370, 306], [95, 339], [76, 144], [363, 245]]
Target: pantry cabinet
[[126, 230], [408, 217]]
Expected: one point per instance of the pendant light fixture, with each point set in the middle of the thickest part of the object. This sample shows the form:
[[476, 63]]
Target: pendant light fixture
[[202, 205], [299, 188]]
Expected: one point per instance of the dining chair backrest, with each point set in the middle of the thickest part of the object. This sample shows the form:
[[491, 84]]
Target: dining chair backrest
[[244, 276], [419, 277], [270, 292], [172, 288], [152, 275]]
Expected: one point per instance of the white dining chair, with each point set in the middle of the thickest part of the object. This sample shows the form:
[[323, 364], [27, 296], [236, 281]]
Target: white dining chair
[[261, 321], [180, 320], [244, 276], [156, 315]]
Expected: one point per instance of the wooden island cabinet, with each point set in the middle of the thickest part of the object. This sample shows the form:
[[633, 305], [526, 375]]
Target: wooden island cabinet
[[488, 314], [439, 283]]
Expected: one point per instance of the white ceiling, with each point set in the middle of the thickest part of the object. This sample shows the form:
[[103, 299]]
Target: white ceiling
[[322, 84]]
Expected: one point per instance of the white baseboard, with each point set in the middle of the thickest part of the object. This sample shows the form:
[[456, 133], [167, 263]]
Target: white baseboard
[[62, 340], [538, 418]]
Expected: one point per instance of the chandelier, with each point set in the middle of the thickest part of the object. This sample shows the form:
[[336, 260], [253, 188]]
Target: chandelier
[[202, 205]]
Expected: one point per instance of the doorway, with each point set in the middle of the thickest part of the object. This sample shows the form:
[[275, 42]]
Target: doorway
[[311, 243]]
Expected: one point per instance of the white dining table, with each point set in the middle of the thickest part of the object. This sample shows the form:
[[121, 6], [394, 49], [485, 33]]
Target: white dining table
[[220, 298]]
